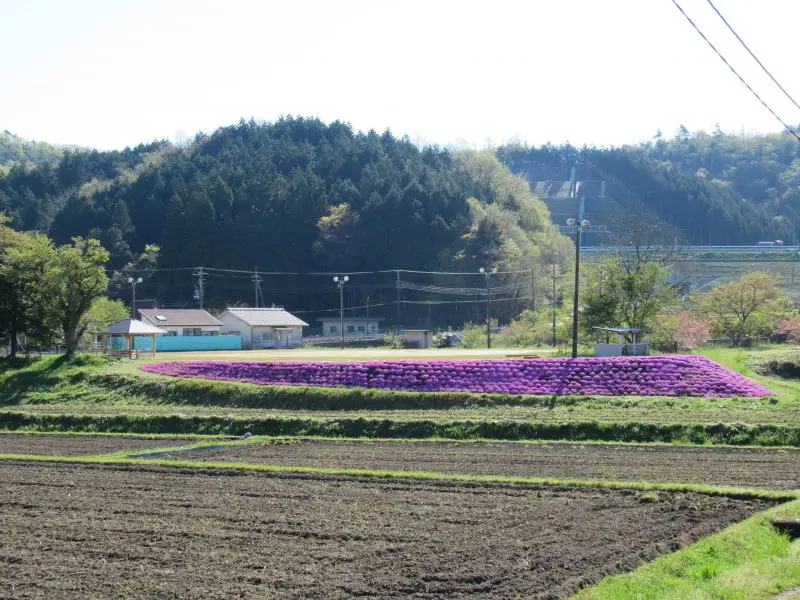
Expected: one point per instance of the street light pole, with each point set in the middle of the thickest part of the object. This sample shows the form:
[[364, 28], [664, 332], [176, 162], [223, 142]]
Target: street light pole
[[133, 283], [488, 275], [579, 226], [553, 304], [340, 281]]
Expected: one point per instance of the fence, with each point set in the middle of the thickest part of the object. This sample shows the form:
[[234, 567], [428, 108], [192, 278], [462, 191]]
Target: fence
[[187, 343]]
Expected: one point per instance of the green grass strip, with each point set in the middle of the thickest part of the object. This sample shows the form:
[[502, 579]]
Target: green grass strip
[[144, 436], [735, 434], [643, 486], [750, 560]]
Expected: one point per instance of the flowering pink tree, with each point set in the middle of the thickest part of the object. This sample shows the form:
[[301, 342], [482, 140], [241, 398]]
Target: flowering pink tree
[[691, 330], [790, 327], [681, 329]]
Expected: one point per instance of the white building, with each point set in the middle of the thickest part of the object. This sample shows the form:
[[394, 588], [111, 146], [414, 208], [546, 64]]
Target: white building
[[189, 322], [353, 326], [264, 327]]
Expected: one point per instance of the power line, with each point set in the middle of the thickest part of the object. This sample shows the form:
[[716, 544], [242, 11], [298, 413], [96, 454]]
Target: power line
[[746, 47], [735, 72], [346, 308], [483, 301]]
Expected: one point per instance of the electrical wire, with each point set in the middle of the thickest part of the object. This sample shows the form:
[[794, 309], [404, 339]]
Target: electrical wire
[[734, 71], [755, 58], [433, 302], [345, 308]]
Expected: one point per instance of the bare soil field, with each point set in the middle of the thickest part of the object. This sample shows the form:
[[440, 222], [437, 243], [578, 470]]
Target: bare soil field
[[745, 467], [113, 531], [76, 445]]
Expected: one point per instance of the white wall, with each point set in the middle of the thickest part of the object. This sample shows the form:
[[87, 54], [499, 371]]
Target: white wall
[[231, 324], [369, 326], [276, 339]]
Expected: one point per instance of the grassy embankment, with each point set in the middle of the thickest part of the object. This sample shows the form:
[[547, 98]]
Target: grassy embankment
[[91, 394], [750, 560]]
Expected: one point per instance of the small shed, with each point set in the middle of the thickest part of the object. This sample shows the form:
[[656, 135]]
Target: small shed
[[417, 338], [126, 331], [622, 347]]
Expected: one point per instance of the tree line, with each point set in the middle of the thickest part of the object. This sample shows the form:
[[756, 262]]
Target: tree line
[[297, 195]]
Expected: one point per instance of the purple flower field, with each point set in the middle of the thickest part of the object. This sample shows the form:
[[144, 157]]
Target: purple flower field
[[617, 376]]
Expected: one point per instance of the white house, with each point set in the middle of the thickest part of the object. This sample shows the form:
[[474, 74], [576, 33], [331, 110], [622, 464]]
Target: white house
[[189, 322], [353, 326], [264, 327]]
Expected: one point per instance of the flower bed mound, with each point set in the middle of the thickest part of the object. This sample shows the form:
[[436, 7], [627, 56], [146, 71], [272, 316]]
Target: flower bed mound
[[617, 376]]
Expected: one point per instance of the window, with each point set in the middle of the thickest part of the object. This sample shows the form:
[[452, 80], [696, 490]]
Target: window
[[334, 329], [172, 333], [161, 318], [192, 331], [351, 329], [360, 329]]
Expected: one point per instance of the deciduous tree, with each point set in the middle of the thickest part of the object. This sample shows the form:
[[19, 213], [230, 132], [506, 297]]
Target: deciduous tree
[[749, 306]]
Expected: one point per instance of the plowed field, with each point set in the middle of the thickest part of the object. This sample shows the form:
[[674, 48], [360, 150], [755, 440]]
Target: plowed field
[[75, 445], [105, 531], [770, 469]]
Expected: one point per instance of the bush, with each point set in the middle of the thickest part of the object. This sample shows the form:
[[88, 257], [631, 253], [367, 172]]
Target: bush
[[473, 335], [782, 364], [733, 434]]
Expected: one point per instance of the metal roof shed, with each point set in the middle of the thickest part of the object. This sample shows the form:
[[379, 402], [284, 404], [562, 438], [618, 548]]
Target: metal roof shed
[[128, 329], [622, 348]]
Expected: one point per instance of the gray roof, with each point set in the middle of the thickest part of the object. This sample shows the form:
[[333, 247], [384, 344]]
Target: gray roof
[[270, 317], [619, 329], [180, 317], [133, 327]]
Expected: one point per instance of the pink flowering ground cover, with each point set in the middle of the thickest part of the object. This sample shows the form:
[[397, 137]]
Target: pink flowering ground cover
[[616, 376]]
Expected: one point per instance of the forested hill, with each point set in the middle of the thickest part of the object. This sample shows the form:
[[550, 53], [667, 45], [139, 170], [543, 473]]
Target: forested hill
[[297, 195], [711, 188], [15, 150]]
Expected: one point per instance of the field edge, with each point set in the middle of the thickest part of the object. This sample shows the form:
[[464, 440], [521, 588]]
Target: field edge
[[750, 559]]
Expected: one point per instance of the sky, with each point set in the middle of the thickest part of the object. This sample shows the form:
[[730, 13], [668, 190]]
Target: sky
[[108, 74]]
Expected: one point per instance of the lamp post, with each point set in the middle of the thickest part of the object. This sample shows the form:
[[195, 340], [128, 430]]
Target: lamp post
[[579, 227], [133, 283], [488, 273], [340, 281]]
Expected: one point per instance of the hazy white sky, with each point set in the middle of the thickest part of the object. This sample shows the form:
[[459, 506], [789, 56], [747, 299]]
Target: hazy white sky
[[108, 73]]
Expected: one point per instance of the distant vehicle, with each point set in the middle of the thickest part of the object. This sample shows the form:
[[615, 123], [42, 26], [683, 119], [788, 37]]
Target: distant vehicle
[[772, 243]]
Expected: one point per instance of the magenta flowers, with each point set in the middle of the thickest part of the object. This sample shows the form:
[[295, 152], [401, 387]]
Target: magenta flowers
[[617, 376]]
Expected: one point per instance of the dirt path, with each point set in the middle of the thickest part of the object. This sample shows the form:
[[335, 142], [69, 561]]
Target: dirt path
[[74, 445], [104, 531], [771, 469]]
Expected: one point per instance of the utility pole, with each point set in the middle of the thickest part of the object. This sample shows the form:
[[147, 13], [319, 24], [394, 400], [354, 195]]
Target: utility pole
[[579, 225], [488, 275], [256, 284], [133, 283], [533, 290], [553, 302], [429, 313], [340, 281], [397, 327], [200, 285]]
